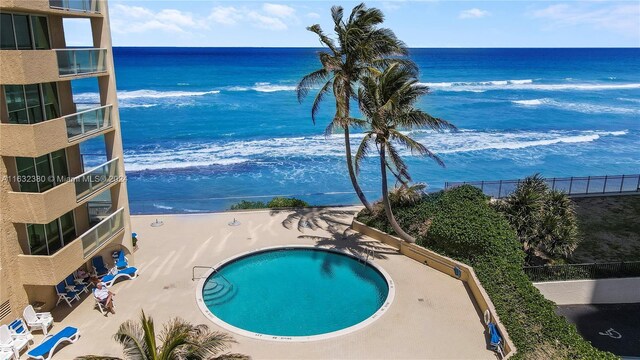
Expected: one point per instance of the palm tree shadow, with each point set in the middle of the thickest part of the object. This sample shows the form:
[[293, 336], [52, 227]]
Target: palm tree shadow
[[353, 243], [329, 219]]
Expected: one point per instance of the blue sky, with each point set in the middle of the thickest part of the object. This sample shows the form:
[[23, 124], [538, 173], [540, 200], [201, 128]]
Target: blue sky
[[419, 23]]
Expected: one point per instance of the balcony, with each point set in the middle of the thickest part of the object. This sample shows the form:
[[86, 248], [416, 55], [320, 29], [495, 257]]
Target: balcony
[[102, 232], [81, 61], [87, 6], [51, 269], [42, 208], [96, 179], [45, 137]]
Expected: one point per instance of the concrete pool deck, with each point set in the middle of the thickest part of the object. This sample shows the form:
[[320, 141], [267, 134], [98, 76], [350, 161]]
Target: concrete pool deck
[[432, 315]]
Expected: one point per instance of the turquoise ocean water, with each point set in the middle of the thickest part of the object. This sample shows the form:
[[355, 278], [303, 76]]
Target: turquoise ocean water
[[206, 127]]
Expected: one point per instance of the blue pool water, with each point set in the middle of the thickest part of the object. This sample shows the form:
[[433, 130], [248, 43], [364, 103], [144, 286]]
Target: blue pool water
[[203, 124], [295, 292]]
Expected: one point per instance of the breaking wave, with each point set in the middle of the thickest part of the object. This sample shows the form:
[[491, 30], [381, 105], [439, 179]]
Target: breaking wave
[[280, 149]]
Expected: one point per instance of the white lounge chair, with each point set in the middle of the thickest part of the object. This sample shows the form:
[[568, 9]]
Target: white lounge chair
[[41, 321], [110, 279], [99, 304], [48, 346], [6, 354], [13, 342]]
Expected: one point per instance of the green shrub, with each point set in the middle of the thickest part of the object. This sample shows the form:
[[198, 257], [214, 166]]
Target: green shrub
[[244, 205], [462, 224], [282, 202], [276, 202]]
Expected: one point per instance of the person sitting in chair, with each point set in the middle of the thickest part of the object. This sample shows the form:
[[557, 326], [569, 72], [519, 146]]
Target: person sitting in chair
[[104, 296]]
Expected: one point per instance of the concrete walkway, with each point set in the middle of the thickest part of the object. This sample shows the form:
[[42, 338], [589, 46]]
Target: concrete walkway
[[432, 315]]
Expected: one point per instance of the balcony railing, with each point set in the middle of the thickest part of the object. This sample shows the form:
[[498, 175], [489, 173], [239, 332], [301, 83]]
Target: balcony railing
[[96, 179], [87, 122], [102, 232], [76, 5], [81, 61]]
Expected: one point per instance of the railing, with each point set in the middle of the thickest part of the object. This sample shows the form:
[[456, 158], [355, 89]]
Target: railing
[[589, 185], [215, 271], [96, 179], [102, 232], [86, 122], [81, 61], [583, 271], [76, 5]]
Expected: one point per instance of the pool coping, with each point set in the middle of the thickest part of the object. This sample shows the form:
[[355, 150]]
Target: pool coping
[[205, 310]]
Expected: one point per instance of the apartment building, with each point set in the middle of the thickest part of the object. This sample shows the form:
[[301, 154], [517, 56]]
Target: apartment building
[[59, 207]]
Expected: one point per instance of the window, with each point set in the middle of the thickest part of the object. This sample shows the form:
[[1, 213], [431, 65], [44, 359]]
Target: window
[[31, 104], [7, 38], [24, 32], [42, 173], [49, 238]]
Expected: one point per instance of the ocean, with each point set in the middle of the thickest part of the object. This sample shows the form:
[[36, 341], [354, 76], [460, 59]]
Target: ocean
[[206, 127]]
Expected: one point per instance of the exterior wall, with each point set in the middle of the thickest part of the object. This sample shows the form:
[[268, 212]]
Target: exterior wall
[[445, 265], [601, 291], [24, 278]]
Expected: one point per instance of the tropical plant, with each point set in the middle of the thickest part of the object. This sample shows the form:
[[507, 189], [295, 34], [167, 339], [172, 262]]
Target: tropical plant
[[387, 100], [545, 220], [360, 45], [276, 202], [178, 340]]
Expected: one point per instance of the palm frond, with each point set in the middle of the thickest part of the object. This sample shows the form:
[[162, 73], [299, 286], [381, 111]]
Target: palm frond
[[131, 336], [414, 146], [324, 39], [308, 81], [363, 150], [326, 88]]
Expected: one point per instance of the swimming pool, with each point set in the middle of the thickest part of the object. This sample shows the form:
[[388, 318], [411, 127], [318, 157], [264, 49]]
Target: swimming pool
[[295, 293]]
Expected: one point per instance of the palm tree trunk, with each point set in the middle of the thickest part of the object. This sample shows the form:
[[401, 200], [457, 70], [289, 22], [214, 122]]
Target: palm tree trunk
[[352, 173], [385, 199]]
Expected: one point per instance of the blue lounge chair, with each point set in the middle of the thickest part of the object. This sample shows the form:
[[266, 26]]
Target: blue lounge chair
[[121, 263], [110, 279], [18, 327], [98, 266], [76, 285], [65, 294], [45, 350], [495, 343]]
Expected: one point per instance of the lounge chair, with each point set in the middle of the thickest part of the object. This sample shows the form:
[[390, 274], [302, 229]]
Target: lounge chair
[[74, 285], [66, 294], [98, 266], [12, 342], [47, 347], [495, 343], [18, 327], [6, 354], [41, 321], [122, 261], [110, 279], [99, 304]]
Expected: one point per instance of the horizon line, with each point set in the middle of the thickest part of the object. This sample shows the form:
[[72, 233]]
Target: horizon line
[[409, 47]]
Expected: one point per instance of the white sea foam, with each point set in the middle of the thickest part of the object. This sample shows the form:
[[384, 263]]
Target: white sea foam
[[263, 87], [275, 150], [526, 84], [146, 98], [630, 100], [586, 108]]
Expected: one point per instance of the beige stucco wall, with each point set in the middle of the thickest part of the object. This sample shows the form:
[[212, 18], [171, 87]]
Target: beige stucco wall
[[38, 139], [445, 265], [20, 274], [601, 291]]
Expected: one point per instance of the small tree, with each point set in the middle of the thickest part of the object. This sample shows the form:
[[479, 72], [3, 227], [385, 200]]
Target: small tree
[[545, 220]]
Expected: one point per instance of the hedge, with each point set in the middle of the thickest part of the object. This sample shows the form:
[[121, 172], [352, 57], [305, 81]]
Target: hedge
[[276, 202], [461, 224]]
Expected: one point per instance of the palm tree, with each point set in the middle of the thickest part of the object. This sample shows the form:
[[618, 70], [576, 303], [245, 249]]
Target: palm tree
[[388, 100], [178, 340], [359, 46]]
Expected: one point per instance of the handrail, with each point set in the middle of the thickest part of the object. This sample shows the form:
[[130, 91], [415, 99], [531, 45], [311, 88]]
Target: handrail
[[91, 240], [88, 110], [193, 273], [101, 222]]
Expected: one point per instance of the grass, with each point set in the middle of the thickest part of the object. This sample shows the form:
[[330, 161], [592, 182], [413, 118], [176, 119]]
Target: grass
[[610, 228]]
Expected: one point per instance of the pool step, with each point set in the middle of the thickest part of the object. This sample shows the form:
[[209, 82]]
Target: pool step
[[218, 295]]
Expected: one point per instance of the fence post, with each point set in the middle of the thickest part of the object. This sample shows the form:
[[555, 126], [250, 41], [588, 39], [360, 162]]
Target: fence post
[[553, 184], [570, 184], [604, 187], [638, 186], [622, 183], [500, 189], [586, 191]]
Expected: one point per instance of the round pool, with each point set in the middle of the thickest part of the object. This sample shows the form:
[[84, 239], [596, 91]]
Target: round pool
[[294, 293]]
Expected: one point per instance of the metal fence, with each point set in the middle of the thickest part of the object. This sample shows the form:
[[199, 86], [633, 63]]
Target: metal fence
[[582, 271], [589, 185]]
